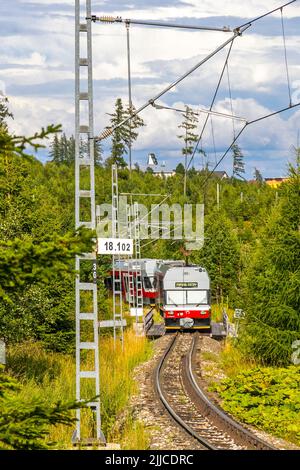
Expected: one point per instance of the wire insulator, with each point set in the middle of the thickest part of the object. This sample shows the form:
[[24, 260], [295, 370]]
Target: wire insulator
[[110, 19], [106, 133]]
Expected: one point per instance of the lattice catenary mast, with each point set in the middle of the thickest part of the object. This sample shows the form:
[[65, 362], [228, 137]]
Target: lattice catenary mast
[[85, 215]]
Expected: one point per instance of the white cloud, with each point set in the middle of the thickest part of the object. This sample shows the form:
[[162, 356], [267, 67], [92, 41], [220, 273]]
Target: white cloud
[[37, 68]]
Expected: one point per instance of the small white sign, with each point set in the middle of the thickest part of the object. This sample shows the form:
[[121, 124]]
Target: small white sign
[[239, 313], [136, 312], [115, 246], [2, 352]]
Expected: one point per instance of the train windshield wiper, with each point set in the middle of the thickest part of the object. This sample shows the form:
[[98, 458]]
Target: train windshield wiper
[[173, 301]]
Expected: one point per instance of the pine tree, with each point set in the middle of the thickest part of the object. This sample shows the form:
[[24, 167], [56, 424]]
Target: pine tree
[[189, 124], [189, 138], [83, 150], [4, 112], [124, 135], [220, 255], [272, 279], [135, 123], [62, 150], [238, 161], [55, 149], [25, 425], [179, 169], [258, 176]]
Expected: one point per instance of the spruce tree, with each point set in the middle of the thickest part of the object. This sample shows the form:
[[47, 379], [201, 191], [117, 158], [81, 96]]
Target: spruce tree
[[179, 169], [258, 176], [4, 111], [124, 135], [55, 149], [238, 162], [189, 124], [220, 255], [272, 279]]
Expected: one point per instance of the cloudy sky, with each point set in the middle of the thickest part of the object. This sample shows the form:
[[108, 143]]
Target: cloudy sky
[[37, 73]]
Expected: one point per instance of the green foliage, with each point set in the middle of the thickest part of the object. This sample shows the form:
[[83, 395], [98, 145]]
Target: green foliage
[[26, 262], [41, 312], [18, 144], [37, 284], [4, 111], [179, 169], [251, 244], [238, 161], [220, 256], [37, 245], [24, 425], [271, 282], [124, 135], [62, 150], [258, 176], [189, 124], [265, 397]]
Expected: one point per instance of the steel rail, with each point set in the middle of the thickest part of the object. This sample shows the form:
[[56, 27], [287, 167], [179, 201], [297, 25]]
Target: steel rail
[[166, 404], [218, 413]]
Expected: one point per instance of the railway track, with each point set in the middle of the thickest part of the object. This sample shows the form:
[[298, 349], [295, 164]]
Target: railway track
[[178, 390]]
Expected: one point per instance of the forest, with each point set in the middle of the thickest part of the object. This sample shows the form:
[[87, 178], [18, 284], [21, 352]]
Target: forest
[[251, 251]]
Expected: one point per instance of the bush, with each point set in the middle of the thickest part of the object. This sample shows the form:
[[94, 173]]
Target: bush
[[265, 397]]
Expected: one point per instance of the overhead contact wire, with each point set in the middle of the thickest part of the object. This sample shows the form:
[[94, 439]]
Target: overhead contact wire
[[211, 106], [242, 130], [285, 57]]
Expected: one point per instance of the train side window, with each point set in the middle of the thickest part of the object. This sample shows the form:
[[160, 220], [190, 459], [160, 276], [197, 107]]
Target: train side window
[[147, 283]]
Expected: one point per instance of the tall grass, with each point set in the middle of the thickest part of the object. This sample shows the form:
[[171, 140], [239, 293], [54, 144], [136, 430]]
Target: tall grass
[[217, 312], [51, 378], [233, 361]]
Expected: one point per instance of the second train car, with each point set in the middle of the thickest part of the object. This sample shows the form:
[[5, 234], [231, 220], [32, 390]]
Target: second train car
[[147, 267]]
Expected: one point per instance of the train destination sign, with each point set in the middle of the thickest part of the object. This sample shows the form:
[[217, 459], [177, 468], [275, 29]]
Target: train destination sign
[[115, 246], [186, 284]]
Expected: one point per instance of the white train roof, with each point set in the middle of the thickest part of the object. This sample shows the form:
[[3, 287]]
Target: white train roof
[[184, 277], [147, 265]]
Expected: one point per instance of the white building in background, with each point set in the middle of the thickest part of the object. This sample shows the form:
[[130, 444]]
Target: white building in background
[[164, 174]]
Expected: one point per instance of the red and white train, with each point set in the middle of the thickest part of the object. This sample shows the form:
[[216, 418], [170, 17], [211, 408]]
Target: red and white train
[[183, 296], [180, 293], [148, 267]]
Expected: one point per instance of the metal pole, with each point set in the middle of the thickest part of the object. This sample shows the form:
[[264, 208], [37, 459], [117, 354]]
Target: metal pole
[[119, 19], [85, 131], [129, 93], [185, 162]]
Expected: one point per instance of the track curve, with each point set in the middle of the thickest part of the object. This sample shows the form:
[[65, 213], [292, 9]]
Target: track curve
[[182, 397]]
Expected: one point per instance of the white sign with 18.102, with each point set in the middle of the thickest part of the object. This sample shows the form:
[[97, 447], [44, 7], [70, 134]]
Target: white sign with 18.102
[[115, 246]]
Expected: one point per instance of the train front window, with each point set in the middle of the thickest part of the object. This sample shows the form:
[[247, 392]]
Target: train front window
[[198, 297], [147, 282], [174, 297], [186, 297]]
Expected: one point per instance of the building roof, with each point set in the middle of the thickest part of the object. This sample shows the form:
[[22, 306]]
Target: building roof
[[220, 174], [274, 182]]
